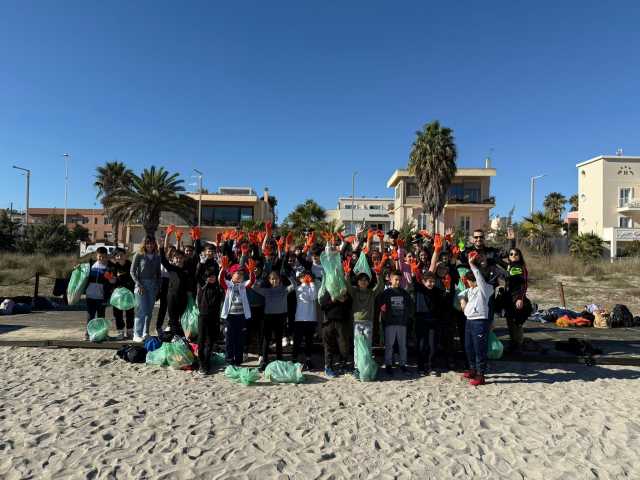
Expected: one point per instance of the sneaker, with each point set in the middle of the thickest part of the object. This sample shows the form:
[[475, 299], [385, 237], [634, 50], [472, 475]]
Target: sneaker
[[285, 341], [86, 336], [245, 357], [388, 370], [403, 368], [203, 370], [328, 371], [261, 360], [138, 339], [307, 365], [120, 335], [477, 381], [469, 374], [433, 373], [167, 328], [129, 334]]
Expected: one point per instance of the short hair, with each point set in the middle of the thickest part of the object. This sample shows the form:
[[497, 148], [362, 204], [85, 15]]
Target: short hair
[[363, 275], [428, 275], [119, 250], [478, 230], [470, 276], [209, 246], [102, 250], [395, 273], [316, 250], [178, 253]]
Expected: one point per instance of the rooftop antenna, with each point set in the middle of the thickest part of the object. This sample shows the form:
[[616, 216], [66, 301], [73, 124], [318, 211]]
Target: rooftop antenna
[[619, 152], [487, 161]]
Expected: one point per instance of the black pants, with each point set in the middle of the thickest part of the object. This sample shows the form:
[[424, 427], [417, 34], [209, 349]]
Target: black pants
[[176, 305], [304, 330], [426, 341], [208, 328], [273, 326], [291, 313], [446, 334], [336, 340], [234, 339], [254, 328], [162, 296], [95, 309], [117, 314]]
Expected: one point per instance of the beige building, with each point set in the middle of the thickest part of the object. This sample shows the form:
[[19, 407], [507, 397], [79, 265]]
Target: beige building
[[607, 201], [372, 211], [468, 205], [93, 219], [229, 208]]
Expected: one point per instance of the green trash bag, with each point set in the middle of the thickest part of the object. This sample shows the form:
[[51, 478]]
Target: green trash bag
[[158, 356], [362, 266], [333, 277], [280, 371], [78, 283], [123, 299], [179, 355], [189, 319], [218, 359], [243, 375], [495, 347], [367, 366], [98, 329]]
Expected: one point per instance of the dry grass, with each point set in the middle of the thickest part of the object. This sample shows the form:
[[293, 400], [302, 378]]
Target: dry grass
[[16, 272]]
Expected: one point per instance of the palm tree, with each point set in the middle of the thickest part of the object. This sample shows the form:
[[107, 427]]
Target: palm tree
[[110, 177], [573, 202], [554, 205], [587, 247], [148, 195], [407, 230], [305, 216], [433, 162], [538, 230]]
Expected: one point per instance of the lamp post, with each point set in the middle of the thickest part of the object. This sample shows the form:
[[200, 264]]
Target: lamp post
[[353, 197], [27, 174], [533, 191], [66, 185], [199, 196]]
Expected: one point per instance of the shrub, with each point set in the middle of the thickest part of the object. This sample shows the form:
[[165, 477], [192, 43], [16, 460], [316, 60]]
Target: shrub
[[587, 247]]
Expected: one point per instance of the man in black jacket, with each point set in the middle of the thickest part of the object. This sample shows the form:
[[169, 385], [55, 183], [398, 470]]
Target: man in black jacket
[[336, 330], [210, 297]]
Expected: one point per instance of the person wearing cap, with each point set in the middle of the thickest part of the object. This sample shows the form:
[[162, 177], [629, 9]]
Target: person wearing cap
[[235, 308]]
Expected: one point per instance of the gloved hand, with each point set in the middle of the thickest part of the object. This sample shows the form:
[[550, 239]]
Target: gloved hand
[[179, 234], [437, 243], [267, 251], [251, 265], [415, 270], [280, 243], [380, 235], [289, 241], [472, 256], [307, 279], [394, 254], [195, 233], [447, 281], [224, 263], [268, 228], [244, 249], [400, 243], [346, 266], [370, 234], [377, 267], [170, 229], [239, 235], [219, 238]]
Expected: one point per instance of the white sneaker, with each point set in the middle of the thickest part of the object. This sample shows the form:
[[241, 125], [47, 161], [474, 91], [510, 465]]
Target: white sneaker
[[260, 359], [245, 357], [137, 339], [285, 341], [167, 328], [120, 335]]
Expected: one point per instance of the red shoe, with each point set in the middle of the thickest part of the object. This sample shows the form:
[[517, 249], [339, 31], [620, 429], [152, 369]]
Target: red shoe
[[469, 374], [477, 381]]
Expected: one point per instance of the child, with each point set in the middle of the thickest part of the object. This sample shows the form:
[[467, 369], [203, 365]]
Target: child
[[98, 286], [476, 309], [396, 307], [275, 314], [235, 309], [209, 301], [305, 320], [122, 270], [429, 302], [335, 329]]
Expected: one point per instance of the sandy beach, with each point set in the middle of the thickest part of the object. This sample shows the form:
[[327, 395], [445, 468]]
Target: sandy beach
[[76, 414]]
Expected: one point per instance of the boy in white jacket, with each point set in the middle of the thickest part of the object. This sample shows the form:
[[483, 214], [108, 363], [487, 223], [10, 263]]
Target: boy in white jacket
[[478, 325], [306, 324]]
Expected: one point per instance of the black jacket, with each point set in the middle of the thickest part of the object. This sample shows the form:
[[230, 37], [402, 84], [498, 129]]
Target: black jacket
[[335, 311]]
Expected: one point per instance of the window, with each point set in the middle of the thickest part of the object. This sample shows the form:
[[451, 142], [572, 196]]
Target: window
[[375, 207], [423, 221], [347, 206], [625, 194], [398, 192], [465, 224], [412, 190], [95, 220], [465, 192], [226, 216], [625, 222]]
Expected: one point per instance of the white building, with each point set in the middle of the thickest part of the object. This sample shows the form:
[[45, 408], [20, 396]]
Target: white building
[[373, 211]]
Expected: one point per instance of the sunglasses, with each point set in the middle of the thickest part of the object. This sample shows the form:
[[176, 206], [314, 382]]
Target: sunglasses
[[478, 238], [514, 254]]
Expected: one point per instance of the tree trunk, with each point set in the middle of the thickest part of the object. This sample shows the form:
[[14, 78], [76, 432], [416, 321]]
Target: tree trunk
[[116, 231], [434, 223], [150, 229]]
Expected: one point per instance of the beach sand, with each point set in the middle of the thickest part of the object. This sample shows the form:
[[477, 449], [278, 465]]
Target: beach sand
[[84, 414]]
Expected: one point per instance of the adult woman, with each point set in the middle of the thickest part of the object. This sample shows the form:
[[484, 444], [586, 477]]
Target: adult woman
[[145, 271], [516, 305]]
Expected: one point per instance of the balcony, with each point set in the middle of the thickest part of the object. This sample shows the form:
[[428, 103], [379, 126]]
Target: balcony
[[471, 201], [630, 209]]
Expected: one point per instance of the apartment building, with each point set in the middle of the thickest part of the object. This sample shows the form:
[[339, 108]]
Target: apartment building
[[467, 208], [372, 211], [609, 199], [93, 219]]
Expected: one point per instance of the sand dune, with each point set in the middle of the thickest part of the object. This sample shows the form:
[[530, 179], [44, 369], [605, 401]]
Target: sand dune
[[84, 414]]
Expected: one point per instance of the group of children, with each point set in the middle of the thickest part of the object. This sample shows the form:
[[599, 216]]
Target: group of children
[[257, 285]]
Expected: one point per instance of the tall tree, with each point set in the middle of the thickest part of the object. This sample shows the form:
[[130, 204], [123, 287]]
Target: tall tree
[[573, 202], [8, 230], [433, 162], [305, 216], [538, 230], [147, 196], [109, 177], [554, 205]]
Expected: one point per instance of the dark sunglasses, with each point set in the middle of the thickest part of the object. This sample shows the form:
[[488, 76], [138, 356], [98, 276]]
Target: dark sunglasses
[[514, 254], [478, 238]]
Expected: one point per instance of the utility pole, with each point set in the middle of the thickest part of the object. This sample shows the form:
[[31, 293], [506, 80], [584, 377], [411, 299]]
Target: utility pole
[[27, 174], [66, 185], [533, 191], [353, 198], [199, 196]]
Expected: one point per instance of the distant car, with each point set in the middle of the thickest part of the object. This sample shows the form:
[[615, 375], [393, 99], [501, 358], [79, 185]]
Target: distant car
[[92, 249]]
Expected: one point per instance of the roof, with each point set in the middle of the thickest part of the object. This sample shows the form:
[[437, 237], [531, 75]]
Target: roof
[[219, 198], [572, 217], [626, 158], [70, 211], [461, 172]]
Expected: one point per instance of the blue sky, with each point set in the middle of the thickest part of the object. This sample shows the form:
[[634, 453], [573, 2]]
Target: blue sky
[[297, 95]]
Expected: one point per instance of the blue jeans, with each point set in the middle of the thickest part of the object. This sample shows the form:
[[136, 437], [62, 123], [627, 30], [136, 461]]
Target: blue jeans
[[234, 338], [476, 344], [146, 301]]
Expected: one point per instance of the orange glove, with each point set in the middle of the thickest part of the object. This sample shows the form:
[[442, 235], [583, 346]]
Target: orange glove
[[377, 267], [179, 234], [447, 281], [350, 239], [253, 237], [425, 233], [394, 254], [380, 235], [194, 233], [370, 235], [384, 259], [448, 237], [414, 267], [280, 243], [455, 251], [289, 241], [239, 235], [307, 279], [219, 238], [340, 236], [365, 250], [400, 243], [346, 266], [267, 251], [261, 236], [244, 249], [472, 256], [268, 227], [251, 265], [437, 243], [170, 229], [327, 236], [233, 235], [225, 263], [108, 276]]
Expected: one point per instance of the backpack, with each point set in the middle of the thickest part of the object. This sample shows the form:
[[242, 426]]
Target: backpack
[[152, 343], [620, 317], [132, 354]]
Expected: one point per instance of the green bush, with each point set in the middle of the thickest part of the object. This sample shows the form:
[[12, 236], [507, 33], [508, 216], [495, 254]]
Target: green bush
[[587, 247], [632, 249]]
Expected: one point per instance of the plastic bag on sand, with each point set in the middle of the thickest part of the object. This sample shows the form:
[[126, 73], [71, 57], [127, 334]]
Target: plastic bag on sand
[[367, 366], [189, 319], [77, 283], [158, 356], [218, 359], [98, 329], [280, 371], [495, 347], [179, 354], [243, 375], [333, 277], [123, 299], [362, 266]]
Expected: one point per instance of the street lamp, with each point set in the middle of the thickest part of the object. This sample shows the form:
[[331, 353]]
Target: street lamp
[[199, 196], [66, 185], [533, 190], [353, 196], [27, 174]]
